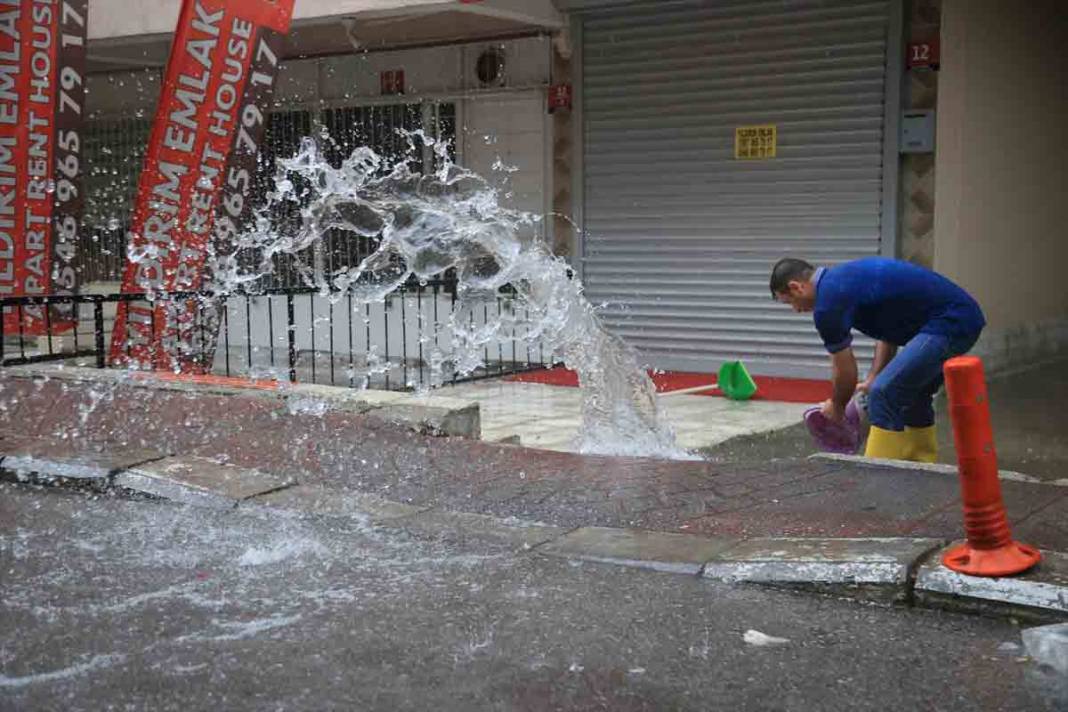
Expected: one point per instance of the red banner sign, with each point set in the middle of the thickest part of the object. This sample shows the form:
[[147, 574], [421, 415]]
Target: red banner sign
[[194, 189], [42, 64]]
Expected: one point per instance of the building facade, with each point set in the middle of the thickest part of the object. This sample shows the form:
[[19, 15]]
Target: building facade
[[703, 140]]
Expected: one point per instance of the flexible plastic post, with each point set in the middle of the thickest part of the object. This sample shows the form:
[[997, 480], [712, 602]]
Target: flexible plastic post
[[990, 549]]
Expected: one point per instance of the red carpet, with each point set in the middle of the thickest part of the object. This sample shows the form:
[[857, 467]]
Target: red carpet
[[769, 388], [210, 380]]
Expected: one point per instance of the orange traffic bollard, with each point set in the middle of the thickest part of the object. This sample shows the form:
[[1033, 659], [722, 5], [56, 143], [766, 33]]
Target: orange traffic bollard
[[990, 550]]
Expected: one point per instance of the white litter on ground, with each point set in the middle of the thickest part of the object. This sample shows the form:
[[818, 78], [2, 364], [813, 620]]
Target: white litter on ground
[[755, 637]]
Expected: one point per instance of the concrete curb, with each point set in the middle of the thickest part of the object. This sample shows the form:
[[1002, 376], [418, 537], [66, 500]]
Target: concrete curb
[[1043, 590], [935, 468], [430, 415], [870, 568], [199, 481], [19, 458], [660, 551], [886, 570]]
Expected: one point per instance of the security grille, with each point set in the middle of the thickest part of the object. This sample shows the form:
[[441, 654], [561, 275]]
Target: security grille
[[114, 157], [114, 152]]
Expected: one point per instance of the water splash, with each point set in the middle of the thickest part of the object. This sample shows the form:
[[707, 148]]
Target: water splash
[[424, 224]]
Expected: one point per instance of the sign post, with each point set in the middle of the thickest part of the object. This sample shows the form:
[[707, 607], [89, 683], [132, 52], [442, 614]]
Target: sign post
[[194, 191]]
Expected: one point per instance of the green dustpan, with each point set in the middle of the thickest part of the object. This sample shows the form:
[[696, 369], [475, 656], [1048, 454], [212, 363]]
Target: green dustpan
[[735, 382]]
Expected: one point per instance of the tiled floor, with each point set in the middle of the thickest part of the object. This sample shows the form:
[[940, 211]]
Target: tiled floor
[[548, 417]]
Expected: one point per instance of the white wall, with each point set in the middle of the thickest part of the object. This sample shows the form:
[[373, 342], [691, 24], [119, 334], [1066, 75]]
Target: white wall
[[352, 77], [349, 79], [430, 72], [504, 140], [1000, 212], [506, 125], [124, 18]]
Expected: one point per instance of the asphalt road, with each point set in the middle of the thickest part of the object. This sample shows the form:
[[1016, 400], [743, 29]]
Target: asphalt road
[[128, 605]]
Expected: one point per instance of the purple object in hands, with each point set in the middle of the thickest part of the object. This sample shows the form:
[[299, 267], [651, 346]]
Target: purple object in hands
[[842, 438]]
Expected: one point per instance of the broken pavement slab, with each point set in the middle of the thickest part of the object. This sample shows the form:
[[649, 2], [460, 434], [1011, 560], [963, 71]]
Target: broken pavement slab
[[312, 499], [879, 565], [467, 526], [1041, 592], [661, 551], [49, 458], [431, 414], [424, 520], [434, 415], [200, 482], [83, 466]]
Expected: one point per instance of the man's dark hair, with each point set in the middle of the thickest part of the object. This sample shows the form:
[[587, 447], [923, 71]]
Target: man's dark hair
[[787, 270]]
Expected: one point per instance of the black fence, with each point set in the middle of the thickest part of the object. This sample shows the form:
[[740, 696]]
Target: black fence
[[295, 334]]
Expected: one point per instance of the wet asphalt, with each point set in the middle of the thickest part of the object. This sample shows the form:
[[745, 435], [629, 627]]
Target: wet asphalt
[[110, 604]]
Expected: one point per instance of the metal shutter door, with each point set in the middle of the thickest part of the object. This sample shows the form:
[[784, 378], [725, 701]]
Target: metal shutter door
[[680, 236]]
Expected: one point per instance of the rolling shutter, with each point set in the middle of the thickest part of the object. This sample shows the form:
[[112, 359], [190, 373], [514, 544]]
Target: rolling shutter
[[679, 235]]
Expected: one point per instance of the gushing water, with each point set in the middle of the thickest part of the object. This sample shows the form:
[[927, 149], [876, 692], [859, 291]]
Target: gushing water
[[424, 224]]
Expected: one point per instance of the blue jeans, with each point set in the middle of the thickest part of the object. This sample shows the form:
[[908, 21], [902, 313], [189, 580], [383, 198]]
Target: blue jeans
[[903, 393]]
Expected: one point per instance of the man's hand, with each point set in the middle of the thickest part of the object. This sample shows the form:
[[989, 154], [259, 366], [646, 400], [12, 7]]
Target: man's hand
[[843, 382], [832, 411], [864, 386]]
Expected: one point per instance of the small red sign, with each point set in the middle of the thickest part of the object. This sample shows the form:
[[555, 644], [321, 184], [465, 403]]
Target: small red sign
[[922, 54], [392, 82], [559, 97]]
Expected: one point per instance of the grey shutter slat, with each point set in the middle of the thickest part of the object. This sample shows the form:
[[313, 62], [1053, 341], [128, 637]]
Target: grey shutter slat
[[680, 236]]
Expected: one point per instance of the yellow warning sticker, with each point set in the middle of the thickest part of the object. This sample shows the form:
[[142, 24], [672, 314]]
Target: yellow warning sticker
[[755, 142]]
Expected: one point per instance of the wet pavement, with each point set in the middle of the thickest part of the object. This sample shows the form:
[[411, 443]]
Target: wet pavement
[[548, 417], [142, 604], [1026, 410], [114, 604], [349, 452]]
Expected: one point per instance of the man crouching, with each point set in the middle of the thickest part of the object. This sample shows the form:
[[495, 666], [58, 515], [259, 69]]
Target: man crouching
[[919, 319]]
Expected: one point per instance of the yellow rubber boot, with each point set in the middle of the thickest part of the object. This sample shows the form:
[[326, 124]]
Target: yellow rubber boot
[[887, 444], [922, 443]]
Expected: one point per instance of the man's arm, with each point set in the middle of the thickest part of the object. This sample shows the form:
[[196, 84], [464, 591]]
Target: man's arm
[[844, 382], [884, 352]]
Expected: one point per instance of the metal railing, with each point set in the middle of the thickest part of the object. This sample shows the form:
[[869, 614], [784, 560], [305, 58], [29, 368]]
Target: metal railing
[[295, 334]]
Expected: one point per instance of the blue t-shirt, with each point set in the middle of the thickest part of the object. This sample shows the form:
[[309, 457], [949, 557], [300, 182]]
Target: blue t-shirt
[[892, 301]]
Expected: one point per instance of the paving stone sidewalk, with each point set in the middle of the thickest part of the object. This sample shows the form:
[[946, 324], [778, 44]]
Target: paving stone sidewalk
[[846, 522], [352, 452]]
